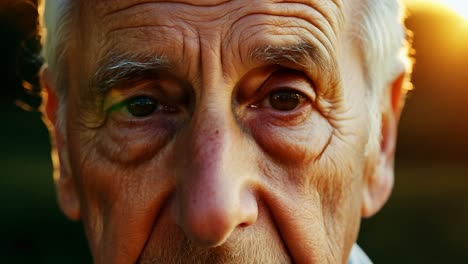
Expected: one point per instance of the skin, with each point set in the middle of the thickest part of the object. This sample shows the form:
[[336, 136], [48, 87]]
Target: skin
[[225, 177]]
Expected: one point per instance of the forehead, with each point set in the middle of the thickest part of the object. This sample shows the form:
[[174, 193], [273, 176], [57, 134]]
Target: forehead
[[107, 6], [119, 12], [189, 17], [185, 31], [169, 25]]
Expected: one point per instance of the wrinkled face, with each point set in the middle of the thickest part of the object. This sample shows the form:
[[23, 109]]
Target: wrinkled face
[[218, 131]]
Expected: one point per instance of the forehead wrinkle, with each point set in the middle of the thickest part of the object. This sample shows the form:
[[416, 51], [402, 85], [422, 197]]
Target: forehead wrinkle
[[116, 8], [178, 15], [334, 18], [319, 20], [314, 41], [309, 35], [319, 5]]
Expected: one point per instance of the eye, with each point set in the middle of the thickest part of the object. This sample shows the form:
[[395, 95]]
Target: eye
[[141, 106], [285, 99]]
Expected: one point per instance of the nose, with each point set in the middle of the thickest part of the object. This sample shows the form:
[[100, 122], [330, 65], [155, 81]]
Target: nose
[[214, 195]]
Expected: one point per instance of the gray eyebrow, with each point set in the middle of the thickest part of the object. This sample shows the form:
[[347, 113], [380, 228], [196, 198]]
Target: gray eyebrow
[[120, 68], [117, 69], [304, 55]]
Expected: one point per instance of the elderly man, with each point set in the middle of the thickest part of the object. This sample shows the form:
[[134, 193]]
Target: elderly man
[[214, 131]]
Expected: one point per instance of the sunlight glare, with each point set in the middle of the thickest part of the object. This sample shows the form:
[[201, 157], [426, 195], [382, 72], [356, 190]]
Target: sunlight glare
[[458, 6]]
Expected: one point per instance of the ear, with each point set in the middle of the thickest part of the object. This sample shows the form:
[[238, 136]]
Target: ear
[[67, 192], [380, 171]]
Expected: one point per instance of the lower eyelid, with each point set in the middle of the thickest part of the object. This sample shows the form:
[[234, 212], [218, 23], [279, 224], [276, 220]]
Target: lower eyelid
[[274, 118], [294, 117]]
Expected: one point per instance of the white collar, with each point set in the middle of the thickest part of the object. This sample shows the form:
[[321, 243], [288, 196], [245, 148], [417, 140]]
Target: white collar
[[358, 256]]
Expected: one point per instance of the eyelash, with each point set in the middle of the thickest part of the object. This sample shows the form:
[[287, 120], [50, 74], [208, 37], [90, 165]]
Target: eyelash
[[300, 96]]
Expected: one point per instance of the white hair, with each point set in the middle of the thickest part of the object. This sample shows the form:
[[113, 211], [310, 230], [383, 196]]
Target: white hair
[[381, 37], [384, 47], [57, 22]]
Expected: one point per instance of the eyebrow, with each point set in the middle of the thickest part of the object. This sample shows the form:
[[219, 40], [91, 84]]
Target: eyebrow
[[117, 69], [304, 55]]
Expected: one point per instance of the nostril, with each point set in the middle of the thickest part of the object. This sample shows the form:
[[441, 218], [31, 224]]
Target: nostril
[[243, 225]]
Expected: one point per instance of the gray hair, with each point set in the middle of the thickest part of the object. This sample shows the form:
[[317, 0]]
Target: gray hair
[[56, 24], [385, 50], [381, 37]]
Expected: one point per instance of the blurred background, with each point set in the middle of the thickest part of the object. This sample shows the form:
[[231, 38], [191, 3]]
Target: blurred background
[[423, 222]]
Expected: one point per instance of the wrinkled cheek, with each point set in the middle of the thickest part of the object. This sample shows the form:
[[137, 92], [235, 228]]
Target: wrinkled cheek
[[90, 181], [120, 205], [99, 187], [293, 145], [340, 188], [335, 175]]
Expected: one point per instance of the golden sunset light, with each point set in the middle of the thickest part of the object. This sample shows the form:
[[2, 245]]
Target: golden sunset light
[[458, 6]]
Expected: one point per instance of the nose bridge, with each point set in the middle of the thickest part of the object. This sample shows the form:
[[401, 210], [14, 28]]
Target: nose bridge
[[213, 128], [211, 135], [213, 195]]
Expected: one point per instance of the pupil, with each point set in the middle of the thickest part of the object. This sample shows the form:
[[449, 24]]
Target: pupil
[[285, 100], [141, 106]]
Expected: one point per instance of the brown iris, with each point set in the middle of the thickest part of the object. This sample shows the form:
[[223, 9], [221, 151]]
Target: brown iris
[[285, 100], [141, 106]]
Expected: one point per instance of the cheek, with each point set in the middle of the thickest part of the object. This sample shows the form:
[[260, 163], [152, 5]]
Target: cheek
[[119, 202], [309, 157], [316, 203], [317, 171], [295, 145], [340, 186], [340, 182]]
